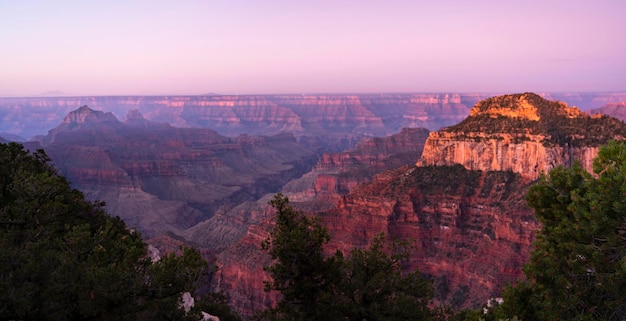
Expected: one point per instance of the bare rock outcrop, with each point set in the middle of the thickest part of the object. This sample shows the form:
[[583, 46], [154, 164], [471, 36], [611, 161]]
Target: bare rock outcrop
[[523, 133]]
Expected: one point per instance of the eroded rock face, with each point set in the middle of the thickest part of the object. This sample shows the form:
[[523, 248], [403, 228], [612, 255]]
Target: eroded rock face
[[370, 114], [522, 133], [335, 174], [467, 215], [476, 151], [472, 230]]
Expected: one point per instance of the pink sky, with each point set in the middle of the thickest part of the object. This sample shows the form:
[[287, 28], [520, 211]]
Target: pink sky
[[323, 46]]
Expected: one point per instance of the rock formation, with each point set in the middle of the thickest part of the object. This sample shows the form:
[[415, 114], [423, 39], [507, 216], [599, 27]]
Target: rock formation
[[522, 133], [463, 206], [302, 115], [471, 229]]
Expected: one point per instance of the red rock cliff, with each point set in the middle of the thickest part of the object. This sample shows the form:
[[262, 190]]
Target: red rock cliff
[[472, 229]]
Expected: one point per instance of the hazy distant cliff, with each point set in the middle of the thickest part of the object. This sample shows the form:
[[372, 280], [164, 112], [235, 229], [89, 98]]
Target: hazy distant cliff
[[522, 133], [231, 115]]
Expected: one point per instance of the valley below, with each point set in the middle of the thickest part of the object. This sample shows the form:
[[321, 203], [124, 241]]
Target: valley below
[[446, 172]]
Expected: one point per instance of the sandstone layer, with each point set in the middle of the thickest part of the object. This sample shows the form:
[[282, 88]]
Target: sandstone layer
[[472, 229]]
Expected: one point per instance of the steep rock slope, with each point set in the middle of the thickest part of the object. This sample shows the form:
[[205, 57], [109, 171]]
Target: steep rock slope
[[161, 178], [523, 133], [334, 175]]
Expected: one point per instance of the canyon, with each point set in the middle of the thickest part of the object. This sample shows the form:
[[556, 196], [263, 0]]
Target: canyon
[[200, 171], [471, 227], [160, 178]]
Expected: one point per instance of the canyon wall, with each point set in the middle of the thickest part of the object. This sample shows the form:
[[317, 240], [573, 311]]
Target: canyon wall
[[335, 174], [462, 206], [614, 109], [472, 230], [529, 158]]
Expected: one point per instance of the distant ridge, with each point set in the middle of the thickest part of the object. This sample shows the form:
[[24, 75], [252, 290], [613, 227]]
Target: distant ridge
[[54, 93], [12, 137], [308, 114]]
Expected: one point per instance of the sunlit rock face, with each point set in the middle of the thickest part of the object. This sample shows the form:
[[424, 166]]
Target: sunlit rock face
[[468, 219], [522, 133], [466, 215]]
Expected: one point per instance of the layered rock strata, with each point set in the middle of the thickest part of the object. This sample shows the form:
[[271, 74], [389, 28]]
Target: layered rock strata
[[472, 230]]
